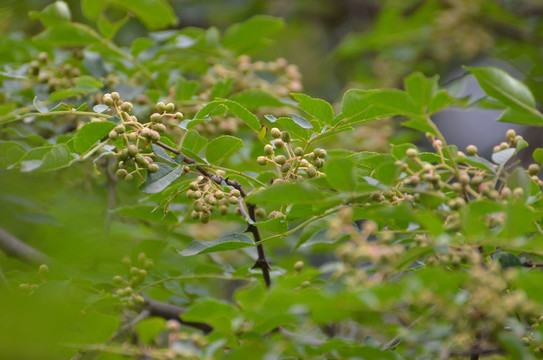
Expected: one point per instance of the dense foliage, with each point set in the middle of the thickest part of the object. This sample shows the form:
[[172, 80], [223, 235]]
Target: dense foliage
[[176, 198]]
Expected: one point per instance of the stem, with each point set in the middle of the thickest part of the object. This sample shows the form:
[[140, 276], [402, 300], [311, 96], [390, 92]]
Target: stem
[[16, 116], [442, 138], [261, 261]]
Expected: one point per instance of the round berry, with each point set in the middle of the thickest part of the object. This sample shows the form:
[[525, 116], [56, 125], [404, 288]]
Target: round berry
[[129, 177], [311, 172], [115, 96], [320, 153], [534, 169], [113, 135], [280, 159], [121, 174], [204, 217], [170, 107], [411, 153], [279, 144], [178, 115], [159, 127], [268, 149], [299, 266], [127, 106], [153, 168], [261, 160], [160, 107], [107, 100], [156, 117], [298, 151], [285, 136], [276, 133], [472, 150]]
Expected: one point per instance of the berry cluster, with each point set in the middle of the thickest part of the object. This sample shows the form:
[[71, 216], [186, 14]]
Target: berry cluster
[[136, 136], [56, 77], [208, 195], [136, 277], [297, 158]]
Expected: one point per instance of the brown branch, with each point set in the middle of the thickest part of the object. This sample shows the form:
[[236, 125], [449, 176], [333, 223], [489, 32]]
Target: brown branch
[[261, 261], [531, 264], [169, 311], [18, 249]]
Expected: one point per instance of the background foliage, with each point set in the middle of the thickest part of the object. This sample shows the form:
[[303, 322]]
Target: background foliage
[[145, 147]]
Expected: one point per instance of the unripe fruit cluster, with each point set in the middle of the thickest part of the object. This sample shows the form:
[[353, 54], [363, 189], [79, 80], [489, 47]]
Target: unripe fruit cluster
[[208, 196], [56, 77], [136, 276], [296, 157]]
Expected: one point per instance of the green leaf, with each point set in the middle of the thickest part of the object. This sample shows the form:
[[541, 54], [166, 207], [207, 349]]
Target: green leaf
[[228, 242], [215, 313], [253, 99], [521, 116], [301, 121], [508, 260], [58, 157], [317, 108], [502, 156], [91, 133], [440, 101], [92, 8], [185, 89], [340, 173], [519, 178], [220, 148], [276, 225], [10, 153], [506, 89], [280, 194], [107, 28], [161, 153], [156, 182], [221, 88], [194, 142], [148, 329], [421, 88], [252, 34], [141, 44], [146, 213], [154, 14], [67, 35], [538, 155], [242, 113], [54, 14]]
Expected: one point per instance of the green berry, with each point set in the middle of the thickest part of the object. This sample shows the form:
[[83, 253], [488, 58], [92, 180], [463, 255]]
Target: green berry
[[276, 133], [132, 150], [233, 200], [204, 217], [160, 107], [107, 100], [197, 194], [223, 210], [280, 159], [113, 135], [121, 174], [155, 136], [194, 186], [320, 153], [268, 149], [120, 129], [115, 96], [235, 192], [299, 266], [178, 115], [170, 107], [472, 150], [534, 169], [42, 57], [153, 168], [129, 177], [195, 215], [127, 106], [311, 172], [411, 153], [156, 117], [261, 160], [159, 127], [298, 151], [279, 144], [133, 137], [285, 136]]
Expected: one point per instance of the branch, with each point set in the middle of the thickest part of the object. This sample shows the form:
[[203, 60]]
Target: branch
[[531, 264], [261, 261], [18, 249], [169, 311]]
